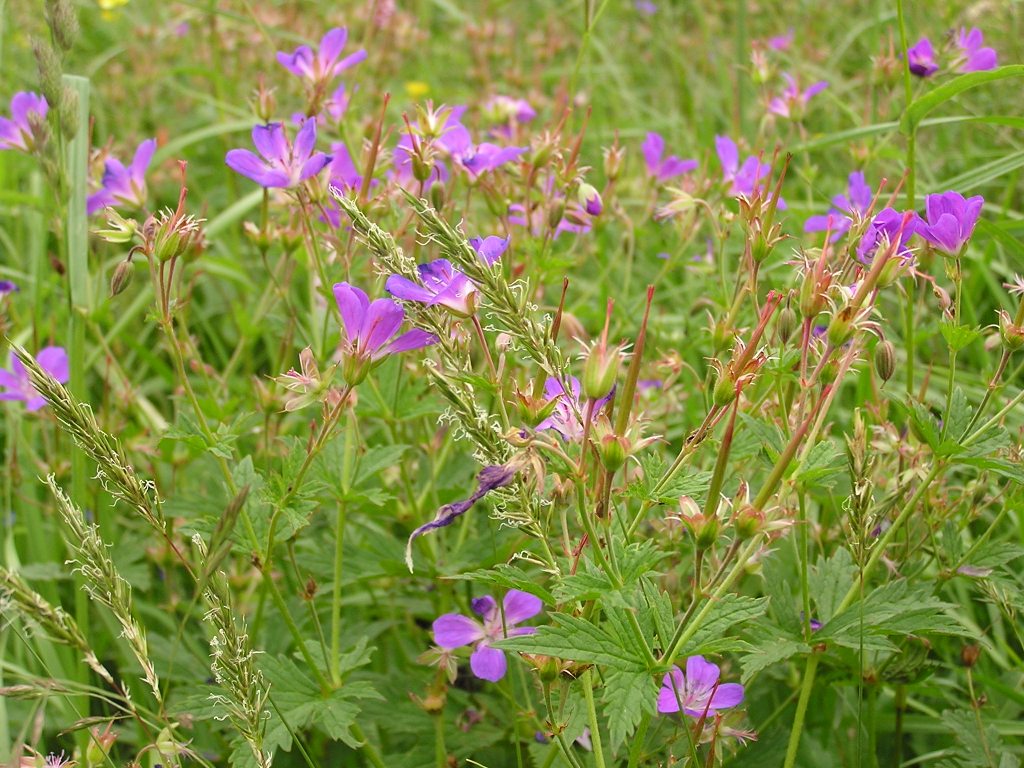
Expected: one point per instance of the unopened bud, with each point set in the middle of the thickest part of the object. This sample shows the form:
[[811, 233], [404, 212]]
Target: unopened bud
[[421, 166], [786, 323], [590, 199], [123, 273], [970, 654], [840, 328], [725, 389], [749, 522], [556, 211], [613, 451], [437, 196], [613, 158], [885, 360], [264, 103], [600, 371], [1011, 334]]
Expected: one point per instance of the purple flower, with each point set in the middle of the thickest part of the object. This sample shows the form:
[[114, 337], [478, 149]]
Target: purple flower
[[508, 112], [921, 58], [781, 42], [646, 7], [476, 158], [53, 360], [845, 208], [370, 329], [123, 186], [663, 169], [888, 226], [403, 163], [973, 56], [793, 101], [565, 418], [951, 220], [337, 104], [283, 164], [16, 131], [699, 691], [442, 284], [6, 287], [742, 179], [489, 478], [453, 630], [326, 63]]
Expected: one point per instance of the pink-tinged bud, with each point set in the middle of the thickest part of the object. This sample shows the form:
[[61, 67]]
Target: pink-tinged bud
[[602, 366], [613, 161], [264, 103], [1011, 334], [885, 360], [590, 199], [749, 522]]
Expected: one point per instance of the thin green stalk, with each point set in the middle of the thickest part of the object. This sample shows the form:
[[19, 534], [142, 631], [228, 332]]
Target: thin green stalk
[[595, 728], [801, 710], [637, 746], [908, 92]]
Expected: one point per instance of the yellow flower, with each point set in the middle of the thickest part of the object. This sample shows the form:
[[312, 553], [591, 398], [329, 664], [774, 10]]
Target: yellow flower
[[109, 5], [416, 89]]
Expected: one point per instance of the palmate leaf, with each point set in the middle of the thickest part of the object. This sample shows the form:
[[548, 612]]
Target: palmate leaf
[[726, 613], [893, 609], [829, 580], [576, 639], [769, 644], [510, 577], [627, 696]]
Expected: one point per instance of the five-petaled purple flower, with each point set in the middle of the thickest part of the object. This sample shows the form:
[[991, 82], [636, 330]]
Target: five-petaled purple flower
[[326, 63], [921, 58], [742, 179], [16, 383], [974, 56], [888, 226], [951, 220], [793, 101], [283, 164], [16, 131], [123, 186], [370, 329], [565, 418], [507, 113], [443, 285], [844, 208], [698, 692], [477, 158], [659, 167], [453, 630]]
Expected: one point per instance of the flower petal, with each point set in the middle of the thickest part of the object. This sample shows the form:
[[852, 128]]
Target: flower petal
[[54, 360], [520, 606], [701, 673], [353, 304], [488, 663], [727, 695], [453, 630]]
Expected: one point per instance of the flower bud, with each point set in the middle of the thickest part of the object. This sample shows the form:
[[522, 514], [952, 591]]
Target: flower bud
[[725, 389], [786, 323], [556, 210], [122, 277], [600, 371], [613, 451], [421, 166], [437, 196], [1011, 334], [119, 229], [590, 199], [885, 360], [613, 158], [355, 368], [970, 654], [749, 522], [840, 328], [264, 103]]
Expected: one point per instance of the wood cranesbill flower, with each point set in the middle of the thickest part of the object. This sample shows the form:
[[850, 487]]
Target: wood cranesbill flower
[[477, 158], [565, 417], [921, 58], [454, 630], [792, 103], [887, 227], [16, 383], [845, 208], [950, 220], [698, 691], [123, 185], [16, 132], [283, 163], [370, 330], [507, 113], [443, 285], [660, 167], [973, 55], [325, 63], [781, 42], [742, 179]]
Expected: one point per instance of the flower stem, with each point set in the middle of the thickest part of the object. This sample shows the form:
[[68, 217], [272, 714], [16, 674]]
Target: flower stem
[[801, 710], [595, 728]]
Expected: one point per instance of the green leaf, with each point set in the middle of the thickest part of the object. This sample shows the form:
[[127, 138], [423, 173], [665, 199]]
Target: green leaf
[[576, 639], [823, 462], [924, 424], [922, 105], [1011, 470], [627, 696], [510, 577], [770, 644], [958, 336], [730, 610], [828, 581]]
